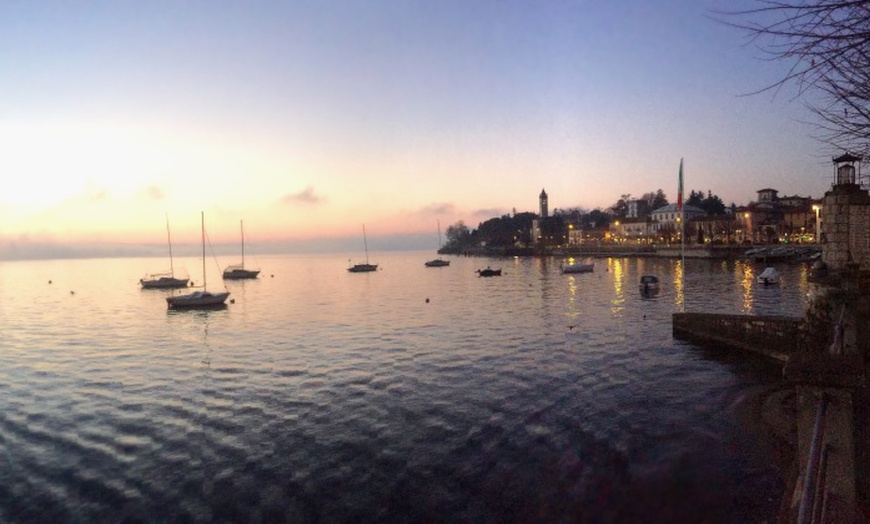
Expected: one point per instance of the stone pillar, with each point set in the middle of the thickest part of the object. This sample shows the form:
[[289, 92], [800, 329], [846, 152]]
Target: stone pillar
[[846, 228]]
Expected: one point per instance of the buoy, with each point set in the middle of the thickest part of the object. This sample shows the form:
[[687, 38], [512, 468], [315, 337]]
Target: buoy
[[232, 301], [72, 292], [427, 300], [49, 281]]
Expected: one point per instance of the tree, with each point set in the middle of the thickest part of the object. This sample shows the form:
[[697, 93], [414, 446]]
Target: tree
[[655, 199], [660, 200], [713, 205], [620, 208], [458, 237], [506, 230], [597, 218], [695, 198], [827, 44]]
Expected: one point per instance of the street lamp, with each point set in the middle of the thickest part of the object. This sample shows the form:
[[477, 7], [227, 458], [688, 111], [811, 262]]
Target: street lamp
[[747, 226], [817, 208]]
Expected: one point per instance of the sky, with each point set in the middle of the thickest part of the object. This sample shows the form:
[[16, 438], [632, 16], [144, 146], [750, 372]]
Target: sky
[[308, 120]]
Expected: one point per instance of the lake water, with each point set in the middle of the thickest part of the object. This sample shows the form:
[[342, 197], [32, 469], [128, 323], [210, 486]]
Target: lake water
[[409, 394]]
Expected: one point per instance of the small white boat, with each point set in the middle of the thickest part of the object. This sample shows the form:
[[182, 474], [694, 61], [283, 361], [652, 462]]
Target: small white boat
[[199, 299], [578, 268], [769, 277], [649, 284]]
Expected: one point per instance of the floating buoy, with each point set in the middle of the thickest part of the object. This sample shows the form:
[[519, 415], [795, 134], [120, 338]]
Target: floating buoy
[[49, 281], [232, 301], [72, 292], [427, 300]]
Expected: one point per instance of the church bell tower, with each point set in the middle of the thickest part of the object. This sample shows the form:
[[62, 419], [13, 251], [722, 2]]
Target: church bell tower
[[542, 199]]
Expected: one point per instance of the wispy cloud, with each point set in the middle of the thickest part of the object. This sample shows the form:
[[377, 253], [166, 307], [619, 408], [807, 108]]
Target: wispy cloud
[[96, 195], [489, 213], [306, 196], [153, 193], [443, 208]]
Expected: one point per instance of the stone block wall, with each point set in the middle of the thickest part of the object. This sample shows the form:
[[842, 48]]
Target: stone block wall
[[846, 227], [773, 336]]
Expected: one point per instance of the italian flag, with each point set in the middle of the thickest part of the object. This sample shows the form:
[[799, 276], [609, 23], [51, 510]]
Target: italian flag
[[680, 189]]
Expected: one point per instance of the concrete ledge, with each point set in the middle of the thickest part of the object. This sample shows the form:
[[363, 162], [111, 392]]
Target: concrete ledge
[[772, 336]]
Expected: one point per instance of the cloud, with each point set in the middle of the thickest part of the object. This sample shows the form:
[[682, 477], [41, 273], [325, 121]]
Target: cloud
[[486, 214], [97, 195], [443, 208], [153, 193], [305, 196]]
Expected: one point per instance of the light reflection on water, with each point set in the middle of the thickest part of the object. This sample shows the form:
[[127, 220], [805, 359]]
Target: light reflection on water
[[411, 393]]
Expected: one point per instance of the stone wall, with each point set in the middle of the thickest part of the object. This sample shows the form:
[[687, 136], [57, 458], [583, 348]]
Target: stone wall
[[773, 336], [846, 227]]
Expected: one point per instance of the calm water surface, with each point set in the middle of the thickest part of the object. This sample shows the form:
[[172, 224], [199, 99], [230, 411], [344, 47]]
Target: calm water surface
[[407, 394]]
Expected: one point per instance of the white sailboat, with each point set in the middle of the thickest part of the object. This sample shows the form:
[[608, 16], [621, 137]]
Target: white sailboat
[[166, 279], [238, 271], [364, 268], [438, 262], [199, 299]]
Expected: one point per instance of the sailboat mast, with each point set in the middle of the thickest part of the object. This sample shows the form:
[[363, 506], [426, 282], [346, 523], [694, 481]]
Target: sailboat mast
[[242, 231], [439, 234], [169, 241], [366, 243], [202, 220]]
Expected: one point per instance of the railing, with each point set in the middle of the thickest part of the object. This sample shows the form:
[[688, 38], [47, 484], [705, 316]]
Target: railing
[[813, 503]]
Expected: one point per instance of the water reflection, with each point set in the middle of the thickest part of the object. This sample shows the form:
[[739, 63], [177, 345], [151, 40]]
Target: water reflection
[[617, 268], [679, 292], [747, 275]]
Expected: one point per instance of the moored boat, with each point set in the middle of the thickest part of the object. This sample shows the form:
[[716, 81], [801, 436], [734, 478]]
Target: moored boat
[[364, 267], [166, 279], [578, 268], [438, 262], [769, 277], [238, 271], [649, 284], [199, 299], [489, 272]]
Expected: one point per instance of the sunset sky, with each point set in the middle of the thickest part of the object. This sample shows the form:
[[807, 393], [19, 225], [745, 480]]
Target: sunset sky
[[309, 119]]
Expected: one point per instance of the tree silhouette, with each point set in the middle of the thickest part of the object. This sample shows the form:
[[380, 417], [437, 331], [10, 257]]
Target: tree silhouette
[[827, 43]]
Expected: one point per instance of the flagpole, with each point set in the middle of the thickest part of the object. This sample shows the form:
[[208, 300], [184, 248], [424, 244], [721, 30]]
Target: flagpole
[[682, 237]]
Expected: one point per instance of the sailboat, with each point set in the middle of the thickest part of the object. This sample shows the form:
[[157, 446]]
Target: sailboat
[[238, 271], [438, 262], [364, 268], [199, 299], [166, 279]]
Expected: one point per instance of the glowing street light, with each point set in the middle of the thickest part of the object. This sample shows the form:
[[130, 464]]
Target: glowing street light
[[817, 208]]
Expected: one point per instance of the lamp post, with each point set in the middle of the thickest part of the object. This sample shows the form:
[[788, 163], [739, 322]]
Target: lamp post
[[817, 208], [747, 227]]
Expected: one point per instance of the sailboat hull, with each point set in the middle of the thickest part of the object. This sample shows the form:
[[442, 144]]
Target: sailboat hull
[[158, 282], [438, 262], [198, 300], [363, 268], [237, 273]]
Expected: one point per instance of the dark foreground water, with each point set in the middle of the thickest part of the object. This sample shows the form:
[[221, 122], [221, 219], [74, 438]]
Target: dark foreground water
[[325, 396]]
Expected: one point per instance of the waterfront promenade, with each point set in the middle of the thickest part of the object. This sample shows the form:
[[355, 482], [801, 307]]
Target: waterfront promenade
[[718, 252]]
